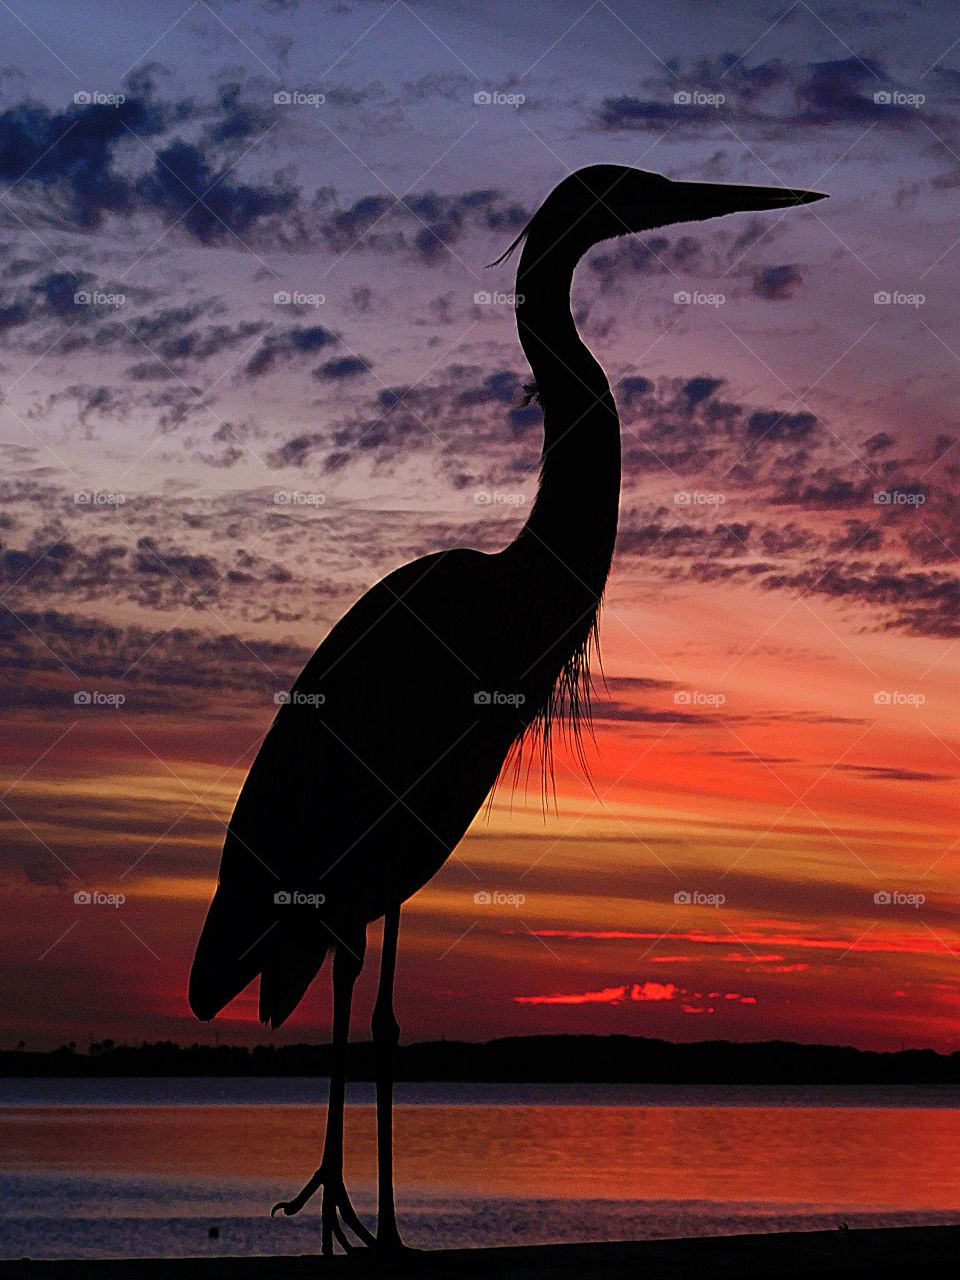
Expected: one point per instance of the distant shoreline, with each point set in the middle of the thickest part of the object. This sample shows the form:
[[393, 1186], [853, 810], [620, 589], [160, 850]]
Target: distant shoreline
[[516, 1060]]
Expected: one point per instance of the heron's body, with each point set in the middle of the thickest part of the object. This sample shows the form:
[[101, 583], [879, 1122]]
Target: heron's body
[[399, 725]]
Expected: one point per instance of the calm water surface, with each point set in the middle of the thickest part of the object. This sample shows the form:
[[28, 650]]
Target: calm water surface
[[143, 1167]]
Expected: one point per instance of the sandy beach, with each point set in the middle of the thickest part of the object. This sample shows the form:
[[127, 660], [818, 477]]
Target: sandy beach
[[876, 1253]]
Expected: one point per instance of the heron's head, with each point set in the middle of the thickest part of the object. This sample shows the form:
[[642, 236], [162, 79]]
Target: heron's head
[[607, 200]]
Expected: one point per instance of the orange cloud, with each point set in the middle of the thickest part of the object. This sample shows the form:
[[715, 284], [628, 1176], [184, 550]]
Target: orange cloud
[[653, 991], [609, 995]]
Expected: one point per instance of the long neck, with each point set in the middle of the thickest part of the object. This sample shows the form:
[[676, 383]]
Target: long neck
[[573, 522]]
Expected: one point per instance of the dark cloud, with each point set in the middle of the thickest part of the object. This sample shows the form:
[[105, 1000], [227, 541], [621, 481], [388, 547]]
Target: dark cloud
[[212, 205], [777, 284], [699, 389], [767, 424], [773, 99], [277, 347], [425, 224], [45, 651], [923, 603], [59, 289], [70, 154], [78, 159], [339, 369], [238, 120], [893, 773]]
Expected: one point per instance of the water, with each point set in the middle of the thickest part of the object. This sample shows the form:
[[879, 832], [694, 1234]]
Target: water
[[137, 1168]]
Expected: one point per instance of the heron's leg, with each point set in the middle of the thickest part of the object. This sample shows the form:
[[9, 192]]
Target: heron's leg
[[336, 1202], [386, 1034]]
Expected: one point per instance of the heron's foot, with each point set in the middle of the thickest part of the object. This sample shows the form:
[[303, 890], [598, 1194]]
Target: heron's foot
[[336, 1211]]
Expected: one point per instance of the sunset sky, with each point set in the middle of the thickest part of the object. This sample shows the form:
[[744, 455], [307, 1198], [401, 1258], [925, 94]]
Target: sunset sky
[[200, 475]]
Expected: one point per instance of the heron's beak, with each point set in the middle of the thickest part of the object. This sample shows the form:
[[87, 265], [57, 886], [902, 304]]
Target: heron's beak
[[714, 199]]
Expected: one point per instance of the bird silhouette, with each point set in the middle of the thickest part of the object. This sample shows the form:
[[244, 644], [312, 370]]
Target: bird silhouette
[[400, 724]]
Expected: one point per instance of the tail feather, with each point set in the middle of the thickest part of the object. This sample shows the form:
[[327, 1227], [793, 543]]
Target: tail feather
[[286, 975], [234, 946], [239, 942]]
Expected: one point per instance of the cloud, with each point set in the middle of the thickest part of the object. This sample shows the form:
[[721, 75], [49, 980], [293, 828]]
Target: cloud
[[79, 159], [286, 345], [186, 189], [773, 100], [653, 991], [70, 154], [768, 424], [777, 284], [894, 773], [339, 369], [425, 225], [45, 652], [608, 995]]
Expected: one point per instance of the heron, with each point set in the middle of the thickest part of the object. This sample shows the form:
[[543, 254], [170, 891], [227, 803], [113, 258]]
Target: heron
[[399, 726]]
